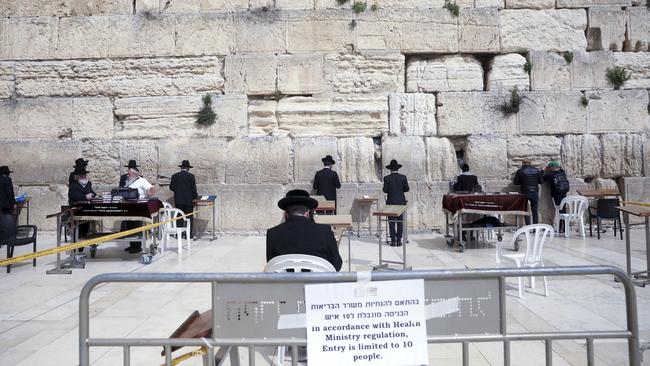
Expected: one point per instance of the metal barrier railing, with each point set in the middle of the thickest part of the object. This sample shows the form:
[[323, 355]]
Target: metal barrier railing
[[290, 284]]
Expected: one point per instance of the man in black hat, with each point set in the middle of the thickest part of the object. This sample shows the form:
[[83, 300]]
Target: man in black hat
[[395, 185], [183, 184], [79, 163], [299, 234], [133, 179], [466, 181], [529, 178], [81, 189], [7, 195], [326, 181]]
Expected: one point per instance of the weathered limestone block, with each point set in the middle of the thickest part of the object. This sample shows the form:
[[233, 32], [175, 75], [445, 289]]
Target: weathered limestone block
[[552, 113], [538, 149], [262, 119], [426, 206], [357, 159], [551, 30], [46, 8], [166, 117], [207, 156], [244, 199], [145, 152], [308, 155], [499, 4], [6, 79], [51, 118], [412, 114], [507, 72], [251, 74], [646, 155], [581, 155], [602, 183], [638, 29], [261, 4], [473, 112], [618, 110], [354, 116], [606, 29], [638, 65], [402, 4], [478, 30], [365, 73], [37, 162], [28, 38], [622, 155], [199, 34], [46, 200], [409, 31], [487, 155], [588, 3], [589, 69], [447, 73], [130, 77], [530, 4], [408, 151], [441, 159], [294, 4], [259, 160], [550, 71], [104, 160], [260, 31], [300, 74], [321, 30], [189, 6]]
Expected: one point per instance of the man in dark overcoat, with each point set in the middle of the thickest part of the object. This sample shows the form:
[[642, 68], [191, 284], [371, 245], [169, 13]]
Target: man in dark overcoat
[[326, 181], [183, 184], [7, 195], [395, 185]]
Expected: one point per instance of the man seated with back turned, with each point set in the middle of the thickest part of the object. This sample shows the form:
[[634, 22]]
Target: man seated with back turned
[[466, 181], [299, 234]]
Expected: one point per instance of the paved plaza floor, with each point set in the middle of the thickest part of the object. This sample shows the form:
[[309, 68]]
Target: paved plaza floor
[[39, 312]]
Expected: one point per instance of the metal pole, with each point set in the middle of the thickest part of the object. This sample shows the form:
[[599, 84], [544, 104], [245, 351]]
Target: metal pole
[[127, 356], [251, 355], [628, 253], [503, 321], [549, 352], [465, 354], [590, 352], [349, 249], [405, 241], [380, 237], [168, 355], [358, 219], [294, 356], [647, 247]]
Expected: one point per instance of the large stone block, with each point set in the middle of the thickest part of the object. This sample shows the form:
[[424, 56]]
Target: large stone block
[[408, 151], [582, 155], [324, 30], [189, 6], [588, 3], [207, 156], [646, 155], [167, 117], [38, 162], [28, 38], [355, 116], [530, 4], [607, 26], [308, 155], [248, 207], [294, 4], [51, 118], [478, 30], [441, 159], [507, 72], [251, 74], [260, 30], [46, 8], [638, 29], [358, 163], [589, 69], [145, 152], [402, 4], [622, 155], [104, 160], [447, 73], [365, 73], [208, 33], [300, 74], [46, 200], [425, 209], [618, 110], [638, 65], [539, 150], [122, 77], [412, 114], [487, 156], [259, 160], [7, 78], [550, 71], [552, 113], [474, 112], [551, 30], [262, 119]]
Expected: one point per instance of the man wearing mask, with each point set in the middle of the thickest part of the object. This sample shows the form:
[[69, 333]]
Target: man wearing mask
[[326, 181], [7, 195], [183, 184], [529, 178], [81, 190], [395, 185]]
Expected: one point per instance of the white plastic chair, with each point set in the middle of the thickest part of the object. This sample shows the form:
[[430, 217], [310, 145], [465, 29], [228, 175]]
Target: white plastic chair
[[297, 263], [536, 236], [160, 217], [172, 228], [575, 207]]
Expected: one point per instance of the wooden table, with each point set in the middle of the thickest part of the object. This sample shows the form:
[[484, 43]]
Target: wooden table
[[340, 224], [390, 213], [600, 193], [366, 201], [640, 278], [324, 205]]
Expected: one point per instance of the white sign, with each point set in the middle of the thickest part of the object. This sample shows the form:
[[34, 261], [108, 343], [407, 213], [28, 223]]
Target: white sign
[[372, 323]]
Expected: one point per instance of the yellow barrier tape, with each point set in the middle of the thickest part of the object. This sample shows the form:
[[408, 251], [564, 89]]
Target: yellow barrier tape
[[637, 203], [95, 241], [184, 357]]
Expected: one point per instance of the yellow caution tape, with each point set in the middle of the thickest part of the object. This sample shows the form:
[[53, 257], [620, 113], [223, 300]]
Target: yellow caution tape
[[637, 203], [95, 241], [199, 352]]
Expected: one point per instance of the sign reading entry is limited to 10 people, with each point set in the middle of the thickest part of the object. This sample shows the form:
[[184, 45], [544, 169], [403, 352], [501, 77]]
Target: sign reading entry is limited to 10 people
[[372, 323]]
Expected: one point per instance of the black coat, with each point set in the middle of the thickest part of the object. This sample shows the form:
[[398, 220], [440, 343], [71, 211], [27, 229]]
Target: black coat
[[466, 183], [326, 182], [183, 184], [7, 196], [395, 185], [123, 179], [529, 178], [299, 235], [77, 192]]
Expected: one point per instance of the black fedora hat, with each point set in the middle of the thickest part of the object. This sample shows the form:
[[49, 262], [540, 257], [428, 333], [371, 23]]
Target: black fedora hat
[[80, 162], [297, 197], [5, 170], [185, 164], [132, 165], [80, 170], [394, 165], [328, 160]]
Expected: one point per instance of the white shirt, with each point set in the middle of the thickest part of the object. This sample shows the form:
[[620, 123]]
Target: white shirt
[[141, 184]]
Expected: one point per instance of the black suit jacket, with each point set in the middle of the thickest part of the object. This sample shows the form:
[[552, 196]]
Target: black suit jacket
[[123, 179], [7, 196], [183, 184], [466, 183], [300, 235], [395, 185], [326, 182], [76, 192]]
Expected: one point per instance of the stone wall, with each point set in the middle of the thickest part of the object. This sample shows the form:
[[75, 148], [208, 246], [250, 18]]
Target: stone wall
[[294, 80]]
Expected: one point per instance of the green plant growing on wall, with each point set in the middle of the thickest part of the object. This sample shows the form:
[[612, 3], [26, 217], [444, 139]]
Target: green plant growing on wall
[[359, 7], [206, 116], [528, 66], [453, 8], [342, 2], [512, 106], [617, 76], [374, 7], [568, 56], [584, 100]]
